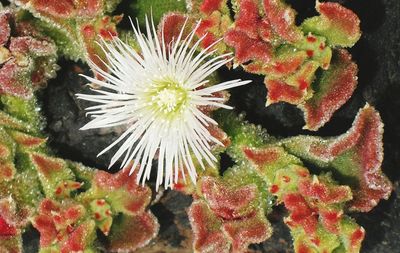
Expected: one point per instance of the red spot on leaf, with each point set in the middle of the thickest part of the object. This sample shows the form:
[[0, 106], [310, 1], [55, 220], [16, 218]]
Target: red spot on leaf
[[311, 39], [303, 84], [274, 189]]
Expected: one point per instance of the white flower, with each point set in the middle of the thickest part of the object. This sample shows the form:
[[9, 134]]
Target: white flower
[[156, 93]]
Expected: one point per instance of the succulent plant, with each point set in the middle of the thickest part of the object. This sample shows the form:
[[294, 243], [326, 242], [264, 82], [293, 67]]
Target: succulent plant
[[319, 180]]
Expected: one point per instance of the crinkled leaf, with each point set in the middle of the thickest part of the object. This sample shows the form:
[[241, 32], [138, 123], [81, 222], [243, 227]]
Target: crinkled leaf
[[332, 90], [132, 232], [282, 19], [354, 158], [339, 25]]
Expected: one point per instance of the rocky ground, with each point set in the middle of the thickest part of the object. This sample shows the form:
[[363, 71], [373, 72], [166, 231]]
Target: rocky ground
[[378, 57]]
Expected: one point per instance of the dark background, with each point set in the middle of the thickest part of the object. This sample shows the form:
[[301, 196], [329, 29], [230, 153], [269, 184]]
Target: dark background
[[378, 57]]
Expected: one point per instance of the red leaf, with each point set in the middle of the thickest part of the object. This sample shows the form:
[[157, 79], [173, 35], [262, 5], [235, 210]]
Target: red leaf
[[282, 19], [57, 8], [208, 6], [6, 229], [365, 140], [324, 193], [25, 45], [335, 87], [248, 20], [261, 157], [246, 48], [283, 67], [281, 91], [4, 27], [46, 165], [208, 236], [137, 197], [170, 26], [225, 201], [77, 241], [10, 83], [133, 232], [242, 233], [301, 213]]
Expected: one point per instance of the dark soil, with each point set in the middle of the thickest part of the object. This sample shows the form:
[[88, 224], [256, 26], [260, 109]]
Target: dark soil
[[378, 57]]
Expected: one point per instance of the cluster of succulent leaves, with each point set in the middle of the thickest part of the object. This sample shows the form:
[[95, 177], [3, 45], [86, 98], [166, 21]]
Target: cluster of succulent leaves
[[304, 65]]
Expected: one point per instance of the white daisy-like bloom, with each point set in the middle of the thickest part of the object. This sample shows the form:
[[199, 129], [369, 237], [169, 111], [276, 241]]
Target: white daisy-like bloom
[[156, 93]]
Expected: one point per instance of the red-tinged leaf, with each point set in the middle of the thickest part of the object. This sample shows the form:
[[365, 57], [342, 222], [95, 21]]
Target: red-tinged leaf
[[171, 25], [363, 143], [331, 220], [64, 188], [206, 227], [301, 213], [102, 215], [57, 224], [225, 201], [209, 6], [207, 28], [249, 21], [339, 25], [80, 238], [6, 229], [283, 65], [5, 29], [25, 45], [262, 157], [56, 178], [89, 8], [220, 135], [56, 8], [26, 140], [282, 19], [122, 191], [11, 224], [46, 228], [242, 233], [11, 85], [321, 191], [92, 32], [354, 157], [303, 78], [280, 91], [9, 122], [248, 49], [333, 89], [7, 171], [47, 165], [132, 233], [247, 18]]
